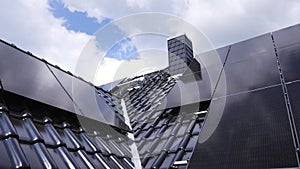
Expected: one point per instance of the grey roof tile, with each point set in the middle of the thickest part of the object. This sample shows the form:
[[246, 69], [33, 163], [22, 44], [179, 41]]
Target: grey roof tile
[[6, 127], [12, 155]]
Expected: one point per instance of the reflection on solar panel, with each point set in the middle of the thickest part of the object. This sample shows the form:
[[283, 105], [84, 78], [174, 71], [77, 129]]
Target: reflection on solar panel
[[156, 120]]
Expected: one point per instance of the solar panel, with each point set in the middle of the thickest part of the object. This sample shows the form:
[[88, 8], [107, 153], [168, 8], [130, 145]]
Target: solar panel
[[294, 95], [287, 37], [250, 65], [254, 132], [85, 97], [251, 48], [206, 59], [27, 76], [289, 58]]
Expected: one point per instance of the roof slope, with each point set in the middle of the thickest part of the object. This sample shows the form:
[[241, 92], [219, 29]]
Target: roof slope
[[258, 128]]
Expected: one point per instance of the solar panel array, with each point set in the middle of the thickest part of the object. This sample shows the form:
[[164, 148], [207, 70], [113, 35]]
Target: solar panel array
[[257, 129]]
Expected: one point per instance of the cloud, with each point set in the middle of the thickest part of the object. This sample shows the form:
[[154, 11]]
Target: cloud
[[94, 67], [102, 75], [112, 69], [143, 4], [223, 22], [31, 26], [116, 8], [229, 21]]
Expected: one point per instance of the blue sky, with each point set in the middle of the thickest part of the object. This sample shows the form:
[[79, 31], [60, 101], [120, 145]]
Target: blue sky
[[123, 50], [76, 21], [81, 22]]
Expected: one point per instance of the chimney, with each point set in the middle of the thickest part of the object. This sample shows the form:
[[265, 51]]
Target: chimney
[[181, 57]]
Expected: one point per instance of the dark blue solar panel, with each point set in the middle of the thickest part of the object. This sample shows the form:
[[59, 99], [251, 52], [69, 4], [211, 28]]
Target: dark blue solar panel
[[288, 36], [294, 95], [254, 132], [209, 58], [287, 42], [86, 98], [27, 76], [251, 48], [289, 58], [249, 74]]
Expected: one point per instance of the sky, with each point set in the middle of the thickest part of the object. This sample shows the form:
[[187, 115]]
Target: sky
[[58, 30]]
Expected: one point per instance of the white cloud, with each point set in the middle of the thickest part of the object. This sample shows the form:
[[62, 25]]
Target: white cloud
[[230, 21], [114, 9], [110, 65], [31, 26], [224, 22], [112, 69], [143, 4]]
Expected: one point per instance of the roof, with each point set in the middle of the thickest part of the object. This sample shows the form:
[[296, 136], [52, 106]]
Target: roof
[[40, 136], [38, 80], [162, 120]]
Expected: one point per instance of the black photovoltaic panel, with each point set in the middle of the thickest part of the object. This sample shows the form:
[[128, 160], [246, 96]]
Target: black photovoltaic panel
[[289, 58], [294, 95], [204, 58], [85, 97], [287, 37], [251, 74], [250, 65], [212, 62], [254, 132], [27, 76], [251, 48], [287, 42]]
